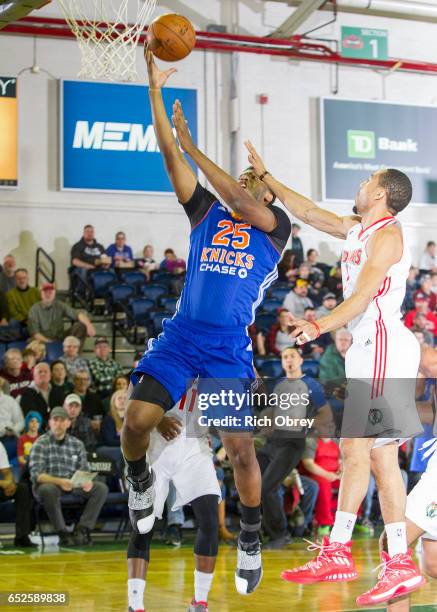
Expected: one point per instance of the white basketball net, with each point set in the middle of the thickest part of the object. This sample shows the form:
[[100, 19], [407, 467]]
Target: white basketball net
[[107, 41]]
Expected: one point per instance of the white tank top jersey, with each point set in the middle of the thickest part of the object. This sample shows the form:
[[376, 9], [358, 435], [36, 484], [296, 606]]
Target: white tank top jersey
[[385, 308]]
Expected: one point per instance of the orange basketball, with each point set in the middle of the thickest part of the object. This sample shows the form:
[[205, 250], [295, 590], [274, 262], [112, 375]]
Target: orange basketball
[[171, 37]]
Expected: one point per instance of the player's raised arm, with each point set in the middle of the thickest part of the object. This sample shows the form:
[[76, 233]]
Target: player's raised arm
[[300, 206], [249, 209], [384, 250], [183, 179]]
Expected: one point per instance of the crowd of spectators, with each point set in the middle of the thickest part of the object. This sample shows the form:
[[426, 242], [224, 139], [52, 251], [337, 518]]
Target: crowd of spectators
[[74, 406]]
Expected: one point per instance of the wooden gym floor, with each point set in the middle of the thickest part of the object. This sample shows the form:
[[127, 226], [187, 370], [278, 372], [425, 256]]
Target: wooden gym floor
[[96, 579]]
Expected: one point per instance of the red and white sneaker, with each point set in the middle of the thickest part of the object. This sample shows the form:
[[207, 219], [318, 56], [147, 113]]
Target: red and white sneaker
[[398, 576], [198, 606], [334, 563]]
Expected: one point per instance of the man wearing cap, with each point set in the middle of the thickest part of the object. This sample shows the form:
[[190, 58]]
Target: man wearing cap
[[296, 301], [329, 302], [80, 427], [103, 369], [46, 318], [54, 459], [421, 306], [20, 493]]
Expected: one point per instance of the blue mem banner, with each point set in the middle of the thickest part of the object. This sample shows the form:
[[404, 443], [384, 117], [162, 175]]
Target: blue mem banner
[[107, 138], [360, 137]]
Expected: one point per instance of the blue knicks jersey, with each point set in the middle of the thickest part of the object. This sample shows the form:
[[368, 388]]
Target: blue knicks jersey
[[230, 265]]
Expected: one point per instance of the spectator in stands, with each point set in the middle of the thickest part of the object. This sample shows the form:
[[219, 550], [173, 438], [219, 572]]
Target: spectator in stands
[[7, 273], [296, 244], [315, 348], [103, 368], [59, 377], [54, 459], [279, 335], [421, 307], [296, 300], [422, 325], [420, 336], [147, 263], [22, 297], [304, 272], [286, 443], [46, 319], [113, 421], [321, 462], [333, 282], [80, 426], [287, 270], [412, 279], [88, 254], [39, 352], [428, 261], [329, 302], [40, 395], [317, 273], [13, 372], [120, 253], [434, 283], [32, 428], [20, 493], [11, 423], [120, 383], [332, 362], [425, 292], [73, 363], [92, 405], [171, 263]]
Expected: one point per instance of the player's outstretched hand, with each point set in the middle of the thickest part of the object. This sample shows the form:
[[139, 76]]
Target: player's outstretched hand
[[180, 123], [157, 78], [300, 330], [255, 159], [169, 428]]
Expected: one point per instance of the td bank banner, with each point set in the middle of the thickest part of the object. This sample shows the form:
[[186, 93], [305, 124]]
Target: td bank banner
[[359, 138]]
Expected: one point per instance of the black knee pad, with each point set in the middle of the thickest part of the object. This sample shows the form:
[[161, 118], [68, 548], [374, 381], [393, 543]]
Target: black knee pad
[[139, 545], [205, 510]]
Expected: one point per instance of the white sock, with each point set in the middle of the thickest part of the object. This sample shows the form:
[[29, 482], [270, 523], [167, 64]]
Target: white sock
[[202, 585], [396, 538], [135, 592], [343, 527]]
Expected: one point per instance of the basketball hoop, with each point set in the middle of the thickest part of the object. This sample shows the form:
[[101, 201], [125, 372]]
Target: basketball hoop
[[107, 41]]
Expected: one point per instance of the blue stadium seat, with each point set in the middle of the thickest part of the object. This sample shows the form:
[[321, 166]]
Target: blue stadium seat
[[279, 293], [3, 348], [133, 277], [264, 321], [140, 307], [271, 305], [121, 292], [54, 350], [311, 367], [101, 280], [169, 304], [153, 292], [163, 278], [157, 319], [19, 344], [271, 368]]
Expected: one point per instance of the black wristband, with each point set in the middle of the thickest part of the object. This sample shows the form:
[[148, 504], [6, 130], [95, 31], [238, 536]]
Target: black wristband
[[263, 175]]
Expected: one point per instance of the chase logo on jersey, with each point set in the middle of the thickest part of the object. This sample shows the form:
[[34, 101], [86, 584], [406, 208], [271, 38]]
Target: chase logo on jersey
[[224, 260], [431, 510]]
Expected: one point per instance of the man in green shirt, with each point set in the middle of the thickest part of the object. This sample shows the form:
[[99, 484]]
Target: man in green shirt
[[46, 318], [22, 297]]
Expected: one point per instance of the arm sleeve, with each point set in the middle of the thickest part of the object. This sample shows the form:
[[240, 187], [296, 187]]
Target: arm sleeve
[[310, 448], [68, 312], [37, 460], [76, 251], [281, 234], [83, 461], [32, 322], [198, 205], [17, 417]]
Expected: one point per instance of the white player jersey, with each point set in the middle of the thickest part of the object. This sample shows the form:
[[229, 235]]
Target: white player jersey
[[385, 308], [185, 444]]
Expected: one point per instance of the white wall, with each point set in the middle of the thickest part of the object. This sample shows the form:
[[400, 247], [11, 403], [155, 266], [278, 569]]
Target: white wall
[[39, 214]]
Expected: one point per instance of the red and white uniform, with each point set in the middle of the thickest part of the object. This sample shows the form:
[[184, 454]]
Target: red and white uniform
[[186, 460], [384, 355]]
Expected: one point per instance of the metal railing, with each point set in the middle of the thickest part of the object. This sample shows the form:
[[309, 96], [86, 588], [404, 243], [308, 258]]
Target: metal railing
[[45, 267]]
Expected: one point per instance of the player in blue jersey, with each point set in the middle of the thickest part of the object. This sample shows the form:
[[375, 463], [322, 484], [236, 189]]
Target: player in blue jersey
[[232, 262]]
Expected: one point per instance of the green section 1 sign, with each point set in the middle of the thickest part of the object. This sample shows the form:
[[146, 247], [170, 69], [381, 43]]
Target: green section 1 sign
[[364, 43]]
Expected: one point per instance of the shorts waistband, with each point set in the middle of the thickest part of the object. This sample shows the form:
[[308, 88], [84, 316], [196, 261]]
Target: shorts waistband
[[200, 327]]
